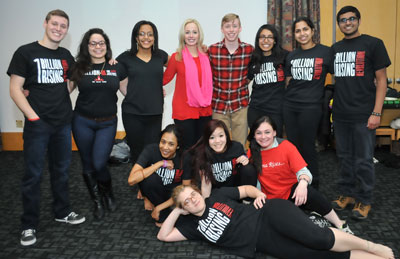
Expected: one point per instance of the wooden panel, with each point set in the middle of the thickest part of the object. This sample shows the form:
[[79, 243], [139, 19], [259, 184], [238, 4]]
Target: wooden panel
[[396, 62]]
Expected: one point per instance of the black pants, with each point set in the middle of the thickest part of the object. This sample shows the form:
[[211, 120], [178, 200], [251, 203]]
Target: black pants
[[301, 126], [253, 114], [315, 201], [192, 129], [286, 232], [141, 130], [153, 188]]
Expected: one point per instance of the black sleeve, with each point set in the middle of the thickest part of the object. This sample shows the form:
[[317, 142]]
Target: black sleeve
[[380, 56], [237, 149], [145, 158], [288, 65], [187, 225], [18, 65], [71, 63], [121, 71], [231, 193], [164, 56], [331, 67], [251, 71]]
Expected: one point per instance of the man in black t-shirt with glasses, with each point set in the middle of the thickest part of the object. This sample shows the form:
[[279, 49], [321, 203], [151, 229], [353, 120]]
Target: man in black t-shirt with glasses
[[360, 63], [42, 68]]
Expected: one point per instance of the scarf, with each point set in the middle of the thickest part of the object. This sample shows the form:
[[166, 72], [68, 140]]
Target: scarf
[[197, 96]]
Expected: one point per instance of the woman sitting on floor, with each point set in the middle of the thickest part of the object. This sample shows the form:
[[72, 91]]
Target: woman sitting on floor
[[283, 172], [275, 227], [158, 170], [218, 161]]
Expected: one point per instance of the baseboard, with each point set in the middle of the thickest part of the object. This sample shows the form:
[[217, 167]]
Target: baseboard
[[12, 141]]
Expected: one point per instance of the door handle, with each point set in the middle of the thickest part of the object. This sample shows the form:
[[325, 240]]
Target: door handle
[[390, 80], [397, 80]]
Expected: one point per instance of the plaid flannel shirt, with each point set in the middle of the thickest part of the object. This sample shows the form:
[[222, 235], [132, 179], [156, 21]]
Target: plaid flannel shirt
[[230, 92]]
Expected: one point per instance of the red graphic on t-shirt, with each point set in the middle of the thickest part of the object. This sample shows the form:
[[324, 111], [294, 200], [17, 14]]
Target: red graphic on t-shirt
[[223, 208], [318, 68], [360, 63], [65, 68], [178, 175], [280, 73]]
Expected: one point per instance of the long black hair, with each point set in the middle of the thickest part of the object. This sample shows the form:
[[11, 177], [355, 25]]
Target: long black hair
[[278, 53], [255, 148], [135, 34], [83, 59], [202, 154]]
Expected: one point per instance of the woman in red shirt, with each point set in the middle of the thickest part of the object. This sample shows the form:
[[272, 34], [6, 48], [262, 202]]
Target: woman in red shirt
[[283, 172], [191, 104]]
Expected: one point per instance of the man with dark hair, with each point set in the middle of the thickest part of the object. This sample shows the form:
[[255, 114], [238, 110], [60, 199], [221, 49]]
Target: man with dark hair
[[360, 63], [42, 68]]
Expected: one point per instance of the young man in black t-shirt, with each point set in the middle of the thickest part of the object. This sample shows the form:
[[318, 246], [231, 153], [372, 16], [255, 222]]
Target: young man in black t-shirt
[[42, 68], [360, 63]]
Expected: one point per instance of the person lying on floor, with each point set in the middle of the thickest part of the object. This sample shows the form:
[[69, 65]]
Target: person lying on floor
[[158, 170], [276, 227]]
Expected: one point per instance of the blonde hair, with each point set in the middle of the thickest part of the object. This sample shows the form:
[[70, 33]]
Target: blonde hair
[[180, 188], [181, 36], [229, 18]]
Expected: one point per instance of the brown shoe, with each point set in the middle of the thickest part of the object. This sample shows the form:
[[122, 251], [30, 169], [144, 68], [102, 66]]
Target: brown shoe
[[360, 211], [342, 201]]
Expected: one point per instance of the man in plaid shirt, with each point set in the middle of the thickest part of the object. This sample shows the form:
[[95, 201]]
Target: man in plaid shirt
[[229, 60]]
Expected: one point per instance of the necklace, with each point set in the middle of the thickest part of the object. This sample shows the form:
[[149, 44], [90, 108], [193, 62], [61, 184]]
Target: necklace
[[98, 78]]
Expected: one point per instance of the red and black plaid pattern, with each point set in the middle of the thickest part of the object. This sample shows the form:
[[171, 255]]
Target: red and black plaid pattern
[[230, 92]]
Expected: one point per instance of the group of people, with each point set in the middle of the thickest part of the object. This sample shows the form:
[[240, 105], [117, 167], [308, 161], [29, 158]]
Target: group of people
[[199, 163]]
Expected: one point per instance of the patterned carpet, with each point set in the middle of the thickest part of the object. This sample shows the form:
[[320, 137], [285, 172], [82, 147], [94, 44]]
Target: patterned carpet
[[130, 232]]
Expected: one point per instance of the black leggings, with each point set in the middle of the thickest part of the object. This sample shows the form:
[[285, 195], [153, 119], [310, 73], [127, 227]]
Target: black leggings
[[286, 232], [315, 201], [192, 129], [153, 188]]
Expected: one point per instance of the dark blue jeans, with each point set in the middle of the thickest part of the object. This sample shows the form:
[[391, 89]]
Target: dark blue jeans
[[40, 137], [355, 145], [94, 141]]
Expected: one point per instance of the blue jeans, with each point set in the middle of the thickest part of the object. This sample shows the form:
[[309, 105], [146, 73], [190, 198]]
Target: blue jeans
[[355, 145], [40, 137], [95, 141]]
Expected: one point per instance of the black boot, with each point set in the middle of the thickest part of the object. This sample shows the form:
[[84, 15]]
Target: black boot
[[98, 211], [106, 192]]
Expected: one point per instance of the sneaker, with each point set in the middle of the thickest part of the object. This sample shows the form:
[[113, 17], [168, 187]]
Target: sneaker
[[391, 94], [346, 229], [319, 221], [360, 211], [72, 218], [28, 237], [342, 201]]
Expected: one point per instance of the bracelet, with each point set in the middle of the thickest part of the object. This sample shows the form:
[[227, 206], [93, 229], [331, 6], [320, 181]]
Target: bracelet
[[142, 174], [165, 163], [304, 180], [376, 114]]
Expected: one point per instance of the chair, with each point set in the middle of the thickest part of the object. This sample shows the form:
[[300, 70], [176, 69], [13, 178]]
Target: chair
[[387, 132]]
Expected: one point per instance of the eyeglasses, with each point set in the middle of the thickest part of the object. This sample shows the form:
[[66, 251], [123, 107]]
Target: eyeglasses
[[143, 34], [269, 38], [93, 44], [190, 198], [351, 19]]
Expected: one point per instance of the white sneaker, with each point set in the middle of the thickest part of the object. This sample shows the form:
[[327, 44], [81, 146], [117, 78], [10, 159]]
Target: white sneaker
[[28, 237], [72, 218]]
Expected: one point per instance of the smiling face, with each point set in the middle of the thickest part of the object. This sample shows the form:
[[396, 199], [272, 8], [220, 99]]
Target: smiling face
[[145, 38], [191, 34], [265, 135], [217, 140], [266, 42], [192, 201], [231, 30], [303, 34], [348, 24], [97, 48], [55, 29], [168, 145]]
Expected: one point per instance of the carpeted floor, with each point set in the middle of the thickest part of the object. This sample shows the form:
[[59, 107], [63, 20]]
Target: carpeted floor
[[130, 231]]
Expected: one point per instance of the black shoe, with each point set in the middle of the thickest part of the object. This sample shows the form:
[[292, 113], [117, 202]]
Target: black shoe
[[28, 237], [91, 184], [106, 192], [391, 94]]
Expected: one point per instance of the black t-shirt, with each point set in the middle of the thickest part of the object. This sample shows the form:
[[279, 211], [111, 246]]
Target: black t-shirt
[[151, 154], [145, 93], [268, 85], [355, 63], [225, 222], [46, 72], [98, 92], [308, 70], [223, 165]]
